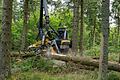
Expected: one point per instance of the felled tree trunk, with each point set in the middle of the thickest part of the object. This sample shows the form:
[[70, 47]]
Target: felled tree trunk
[[87, 61], [78, 60]]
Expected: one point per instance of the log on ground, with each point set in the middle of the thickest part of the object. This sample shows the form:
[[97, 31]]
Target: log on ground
[[87, 61], [79, 60]]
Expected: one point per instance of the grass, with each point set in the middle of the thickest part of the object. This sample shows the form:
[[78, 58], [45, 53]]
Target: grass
[[35, 75], [81, 75]]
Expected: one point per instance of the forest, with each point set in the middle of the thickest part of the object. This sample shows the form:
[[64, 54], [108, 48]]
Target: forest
[[59, 39]]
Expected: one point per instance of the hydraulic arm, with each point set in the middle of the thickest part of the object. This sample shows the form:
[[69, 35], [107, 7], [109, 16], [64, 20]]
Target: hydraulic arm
[[46, 26]]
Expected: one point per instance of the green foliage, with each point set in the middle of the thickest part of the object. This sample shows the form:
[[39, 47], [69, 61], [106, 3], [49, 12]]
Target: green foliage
[[94, 51], [62, 19], [16, 34], [113, 76], [43, 64], [22, 65]]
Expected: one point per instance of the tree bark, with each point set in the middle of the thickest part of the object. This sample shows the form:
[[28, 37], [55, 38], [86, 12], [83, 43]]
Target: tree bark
[[25, 26], [81, 28], [75, 27], [103, 65], [0, 11], [5, 44], [94, 31], [119, 30], [115, 38]]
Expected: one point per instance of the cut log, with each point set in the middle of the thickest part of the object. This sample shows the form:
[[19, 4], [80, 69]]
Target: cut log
[[79, 60], [87, 61]]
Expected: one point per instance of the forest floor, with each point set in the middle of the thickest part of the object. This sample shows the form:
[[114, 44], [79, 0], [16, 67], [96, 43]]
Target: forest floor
[[37, 75], [81, 75], [42, 69]]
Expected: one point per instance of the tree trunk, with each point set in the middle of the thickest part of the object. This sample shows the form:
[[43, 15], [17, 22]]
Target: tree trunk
[[0, 12], [94, 30], [0, 16], [81, 28], [118, 32], [103, 65], [118, 25], [15, 4], [75, 26], [25, 26], [78, 60], [5, 44], [87, 61], [115, 38]]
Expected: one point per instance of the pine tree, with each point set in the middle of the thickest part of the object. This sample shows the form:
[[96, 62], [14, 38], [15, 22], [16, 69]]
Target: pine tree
[[75, 26], [103, 66], [25, 26], [5, 40], [81, 27]]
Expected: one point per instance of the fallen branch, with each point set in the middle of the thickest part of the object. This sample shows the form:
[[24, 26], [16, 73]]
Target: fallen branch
[[22, 54]]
